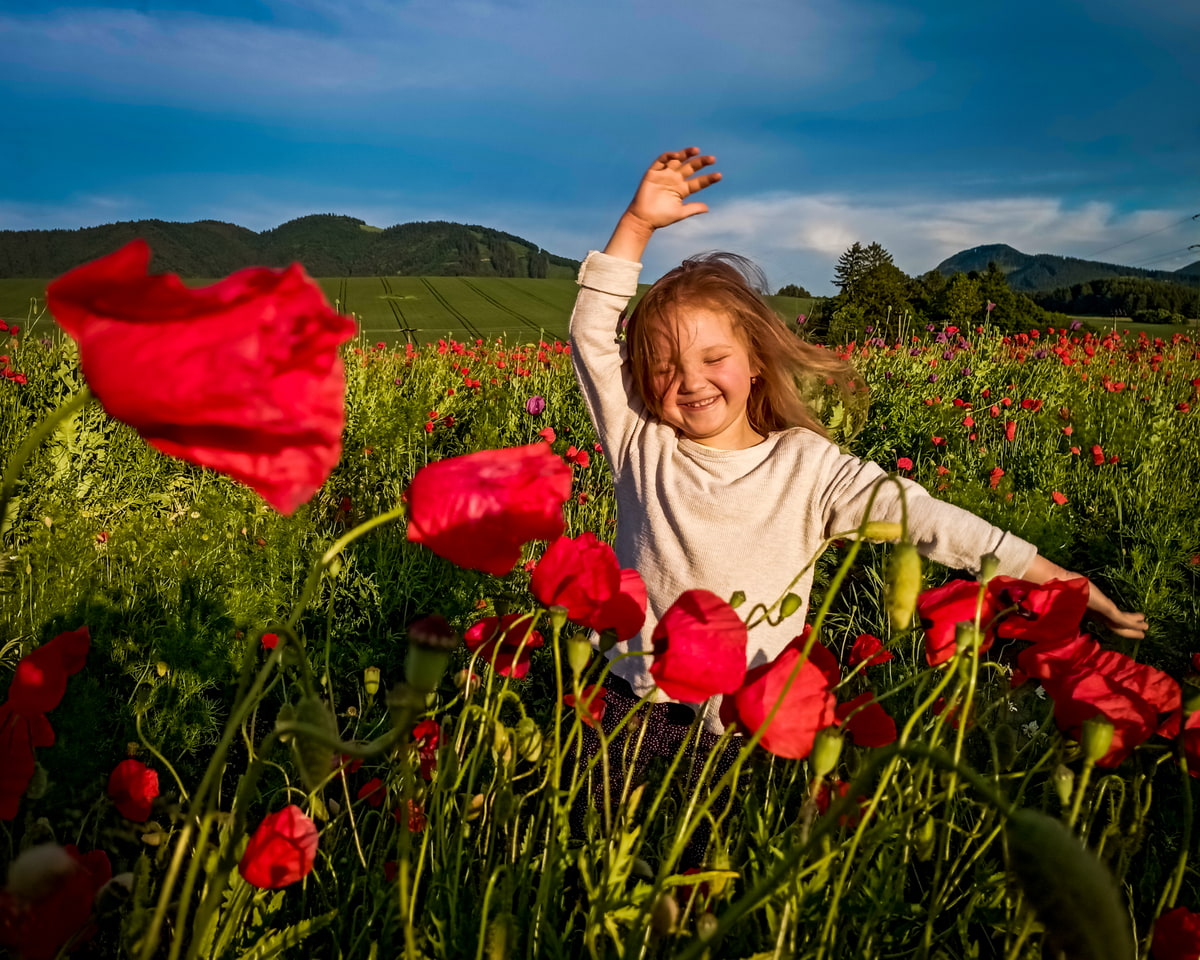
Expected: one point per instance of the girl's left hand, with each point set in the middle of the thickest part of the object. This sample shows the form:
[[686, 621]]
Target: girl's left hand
[[1121, 622]]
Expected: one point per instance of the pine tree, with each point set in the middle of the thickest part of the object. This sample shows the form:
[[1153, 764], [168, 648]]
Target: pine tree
[[850, 267]]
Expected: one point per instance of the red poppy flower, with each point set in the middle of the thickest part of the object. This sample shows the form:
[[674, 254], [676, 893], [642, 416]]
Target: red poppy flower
[[808, 706], [373, 791], [825, 797], [579, 573], [17, 762], [866, 722], [1049, 611], [1176, 935], [282, 850], [1059, 498], [904, 463], [1010, 430], [592, 704], [943, 608], [477, 510], [40, 679], [1097, 454], [1049, 658], [417, 820], [699, 648], [132, 786], [270, 641], [548, 434], [38, 928], [1190, 736], [426, 736], [577, 456], [869, 648], [624, 612], [1135, 698], [994, 478], [501, 642], [242, 376]]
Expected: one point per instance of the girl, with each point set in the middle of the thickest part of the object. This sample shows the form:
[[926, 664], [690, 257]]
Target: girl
[[724, 480]]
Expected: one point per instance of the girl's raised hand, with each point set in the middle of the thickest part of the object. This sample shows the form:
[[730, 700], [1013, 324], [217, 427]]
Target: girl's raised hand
[[671, 179]]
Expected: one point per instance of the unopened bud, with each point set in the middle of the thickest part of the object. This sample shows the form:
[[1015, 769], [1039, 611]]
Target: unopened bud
[[287, 714], [608, 640], [791, 603], [501, 741], [579, 653], [706, 927], [826, 752], [966, 638], [371, 680], [529, 740], [738, 598], [924, 839], [903, 585], [664, 914], [1064, 783], [1097, 738], [558, 616], [466, 681], [989, 563], [430, 640], [642, 869], [474, 807], [882, 531], [161, 668], [314, 754]]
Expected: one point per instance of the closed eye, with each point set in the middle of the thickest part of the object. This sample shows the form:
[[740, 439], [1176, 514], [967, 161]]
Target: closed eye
[[716, 359]]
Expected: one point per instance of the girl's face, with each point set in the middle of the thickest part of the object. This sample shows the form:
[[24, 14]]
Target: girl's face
[[704, 390]]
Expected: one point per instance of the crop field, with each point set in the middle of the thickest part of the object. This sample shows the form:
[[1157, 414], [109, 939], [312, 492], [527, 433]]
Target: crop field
[[254, 722], [418, 309]]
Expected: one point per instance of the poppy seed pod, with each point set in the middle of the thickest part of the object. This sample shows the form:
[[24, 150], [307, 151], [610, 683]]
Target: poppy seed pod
[[903, 585], [430, 640], [579, 653], [558, 616]]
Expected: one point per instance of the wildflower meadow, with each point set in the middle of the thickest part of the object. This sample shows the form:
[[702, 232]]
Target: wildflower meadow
[[297, 655]]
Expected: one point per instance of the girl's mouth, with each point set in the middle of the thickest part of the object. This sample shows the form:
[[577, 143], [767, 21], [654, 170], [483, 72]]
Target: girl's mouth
[[699, 404]]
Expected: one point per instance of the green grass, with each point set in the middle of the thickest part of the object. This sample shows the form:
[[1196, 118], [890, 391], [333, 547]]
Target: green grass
[[420, 309]]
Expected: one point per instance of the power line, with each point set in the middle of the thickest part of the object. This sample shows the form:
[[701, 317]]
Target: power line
[[1096, 253], [1168, 255]]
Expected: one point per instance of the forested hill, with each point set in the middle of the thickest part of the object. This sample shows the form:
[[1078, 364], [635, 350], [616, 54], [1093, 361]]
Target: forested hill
[[1044, 272], [328, 245]]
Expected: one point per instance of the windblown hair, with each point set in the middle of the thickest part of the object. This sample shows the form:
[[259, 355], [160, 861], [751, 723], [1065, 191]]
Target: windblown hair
[[791, 370]]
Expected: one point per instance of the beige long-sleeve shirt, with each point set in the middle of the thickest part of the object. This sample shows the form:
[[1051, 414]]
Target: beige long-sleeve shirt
[[691, 516]]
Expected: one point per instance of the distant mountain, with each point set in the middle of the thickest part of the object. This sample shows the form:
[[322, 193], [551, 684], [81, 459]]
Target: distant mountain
[[1044, 271], [328, 245]]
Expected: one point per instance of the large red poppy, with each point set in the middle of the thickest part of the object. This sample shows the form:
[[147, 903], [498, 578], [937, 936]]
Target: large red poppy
[[806, 708], [282, 850], [1049, 658], [1135, 698], [477, 510], [582, 575], [242, 376], [1049, 611], [866, 722], [943, 608], [501, 641], [1176, 935], [699, 648], [132, 787], [624, 613], [36, 929], [40, 679], [17, 761]]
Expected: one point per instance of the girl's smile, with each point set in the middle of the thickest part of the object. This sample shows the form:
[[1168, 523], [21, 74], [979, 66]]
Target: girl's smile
[[704, 389]]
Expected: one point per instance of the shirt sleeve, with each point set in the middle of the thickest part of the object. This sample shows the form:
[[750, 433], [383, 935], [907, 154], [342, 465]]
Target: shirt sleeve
[[941, 531], [606, 285]]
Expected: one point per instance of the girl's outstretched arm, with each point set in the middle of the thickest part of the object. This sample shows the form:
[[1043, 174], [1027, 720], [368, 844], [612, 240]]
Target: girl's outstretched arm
[[659, 200], [1123, 624]]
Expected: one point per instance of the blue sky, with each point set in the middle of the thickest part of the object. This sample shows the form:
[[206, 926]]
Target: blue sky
[[1058, 126]]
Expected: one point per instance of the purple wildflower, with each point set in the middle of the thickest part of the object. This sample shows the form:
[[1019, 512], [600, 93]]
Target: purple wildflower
[[535, 405]]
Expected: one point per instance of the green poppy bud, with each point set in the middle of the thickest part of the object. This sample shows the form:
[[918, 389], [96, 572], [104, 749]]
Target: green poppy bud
[[826, 752], [1070, 890], [925, 838], [882, 531], [579, 653], [314, 756], [430, 641], [966, 638], [738, 598], [608, 640], [371, 680], [558, 617], [1063, 779], [989, 564], [903, 585], [529, 740], [664, 914], [791, 603], [706, 926], [1097, 738], [287, 714]]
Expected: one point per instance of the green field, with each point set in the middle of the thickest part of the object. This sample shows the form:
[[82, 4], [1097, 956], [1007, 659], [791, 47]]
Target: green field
[[416, 309]]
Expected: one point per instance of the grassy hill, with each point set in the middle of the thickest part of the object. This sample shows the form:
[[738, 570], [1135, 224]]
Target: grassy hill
[[1028, 273], [329, 245]]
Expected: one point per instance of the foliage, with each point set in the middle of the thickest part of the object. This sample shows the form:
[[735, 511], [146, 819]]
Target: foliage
[[1044, 271], [1125, 297]]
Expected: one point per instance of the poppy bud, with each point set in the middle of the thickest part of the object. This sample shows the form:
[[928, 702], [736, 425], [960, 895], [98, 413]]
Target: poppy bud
[[925, 838], [738, 598], [501, 742], [504, 806], [499, 936], [826, 752], [1097, 737], [791, 603], [1064, 783], [474, 807], [287, 714], [161, 668], [314, 756], [371, 680], [966, 637], [558, 616], [430, 640], [579, 652], [989, 564], [664, 914], [529, 740], [1070, 890], [608, 640], [706, 926], [903, 585], [466, 681], [882, 531]]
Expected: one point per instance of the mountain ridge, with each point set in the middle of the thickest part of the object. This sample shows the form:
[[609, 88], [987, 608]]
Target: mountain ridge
[[326, 244], [1043, 272]]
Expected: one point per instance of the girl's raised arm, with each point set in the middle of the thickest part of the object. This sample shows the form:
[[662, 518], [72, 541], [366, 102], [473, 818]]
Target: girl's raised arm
[[659, 200]]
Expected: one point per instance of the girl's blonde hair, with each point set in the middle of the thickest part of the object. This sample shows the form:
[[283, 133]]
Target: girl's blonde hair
[[790, 370]]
